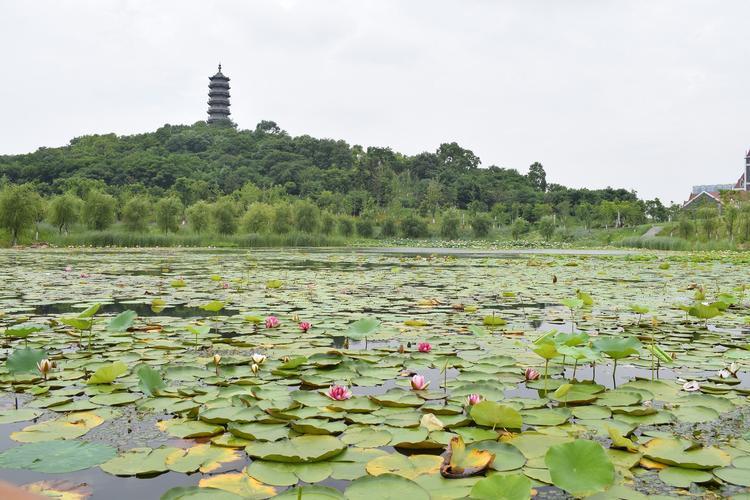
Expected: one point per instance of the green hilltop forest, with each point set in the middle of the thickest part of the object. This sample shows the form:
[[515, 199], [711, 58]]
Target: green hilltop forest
[[202, 179]]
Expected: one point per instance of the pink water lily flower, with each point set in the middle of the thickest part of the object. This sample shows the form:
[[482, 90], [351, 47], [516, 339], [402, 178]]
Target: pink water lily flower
[[225, 285], [68, 269], [424, 347], [305, 325], [85, 275], [272, 322], [473, 399], [419, 383], [338, 393], [531, 374]]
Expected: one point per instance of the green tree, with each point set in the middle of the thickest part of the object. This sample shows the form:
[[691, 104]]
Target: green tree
[[64, 211], [283, 219], [327, 223], [481, 225], [18, 209], [364, 226], [199, 216], [135, 213], [449, 225], [413, 226], [99, 210], [537, 176], [744, 222], [346, 226], [258, 218], [730, 216], [169, 214], [709, 221], [519, 228], [224, 217], [389, 229], [685, 227], [547, 227], [306, 217]]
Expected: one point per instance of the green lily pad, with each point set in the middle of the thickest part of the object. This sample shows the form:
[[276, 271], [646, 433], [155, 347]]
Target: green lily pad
[[308, 448], [56, 456], [581, 467]]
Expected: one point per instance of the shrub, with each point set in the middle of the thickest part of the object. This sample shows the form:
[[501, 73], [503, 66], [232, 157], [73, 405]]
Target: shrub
[[328, 223], [364, 227], [307, 217], [346, 226], [389, 228], [547, 227], [258, 218], [282, 219], [481, 225], [414, 226], [449, 224], [519, 228]]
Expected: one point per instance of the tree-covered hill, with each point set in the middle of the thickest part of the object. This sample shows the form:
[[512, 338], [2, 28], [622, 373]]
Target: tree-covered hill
[[201, 162]]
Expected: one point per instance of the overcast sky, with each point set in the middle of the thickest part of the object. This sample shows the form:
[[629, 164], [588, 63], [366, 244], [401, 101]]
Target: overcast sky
[[648, 95]]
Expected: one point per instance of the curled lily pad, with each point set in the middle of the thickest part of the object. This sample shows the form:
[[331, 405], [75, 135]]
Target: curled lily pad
[[459, 462], [683, 454]]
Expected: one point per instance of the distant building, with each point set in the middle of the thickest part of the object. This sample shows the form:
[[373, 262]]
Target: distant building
[[218, 98], [711, 194]]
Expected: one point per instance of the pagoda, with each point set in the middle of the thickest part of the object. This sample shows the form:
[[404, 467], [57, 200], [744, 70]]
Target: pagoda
[[218, 98]]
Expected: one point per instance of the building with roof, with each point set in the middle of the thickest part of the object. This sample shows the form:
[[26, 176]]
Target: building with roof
[[711, 194], [218, 99]]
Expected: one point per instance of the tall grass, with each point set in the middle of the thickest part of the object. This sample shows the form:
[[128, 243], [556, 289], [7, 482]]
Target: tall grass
[[672, 243], [126, 239]]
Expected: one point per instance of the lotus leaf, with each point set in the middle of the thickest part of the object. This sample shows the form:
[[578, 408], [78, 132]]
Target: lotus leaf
[[581, 467], [303, 449]]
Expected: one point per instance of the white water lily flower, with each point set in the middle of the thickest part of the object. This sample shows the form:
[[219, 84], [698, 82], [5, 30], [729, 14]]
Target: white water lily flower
[[691, 386], [724, 373], [733, 368], [258, 358]]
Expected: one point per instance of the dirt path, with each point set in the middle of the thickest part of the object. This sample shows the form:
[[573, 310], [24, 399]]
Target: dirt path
[[652, 232]]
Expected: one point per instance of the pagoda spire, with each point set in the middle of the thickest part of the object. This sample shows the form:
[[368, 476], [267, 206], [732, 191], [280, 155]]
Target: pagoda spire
[[218, 98]]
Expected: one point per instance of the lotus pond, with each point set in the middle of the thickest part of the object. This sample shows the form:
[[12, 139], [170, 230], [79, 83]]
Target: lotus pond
[[374, 374]]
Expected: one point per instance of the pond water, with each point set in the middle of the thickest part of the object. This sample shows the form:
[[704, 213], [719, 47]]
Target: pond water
[[487, 316]]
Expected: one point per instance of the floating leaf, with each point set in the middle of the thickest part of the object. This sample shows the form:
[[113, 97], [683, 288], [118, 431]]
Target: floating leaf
[[510, 487], [56, 456], [385, 487], [24, 360], [108, 374], [492, 414], [122, 321], [581, 468], [308, 448]]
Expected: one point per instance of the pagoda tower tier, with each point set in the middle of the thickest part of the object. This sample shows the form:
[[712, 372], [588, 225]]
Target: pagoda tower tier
[[218, 98]]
